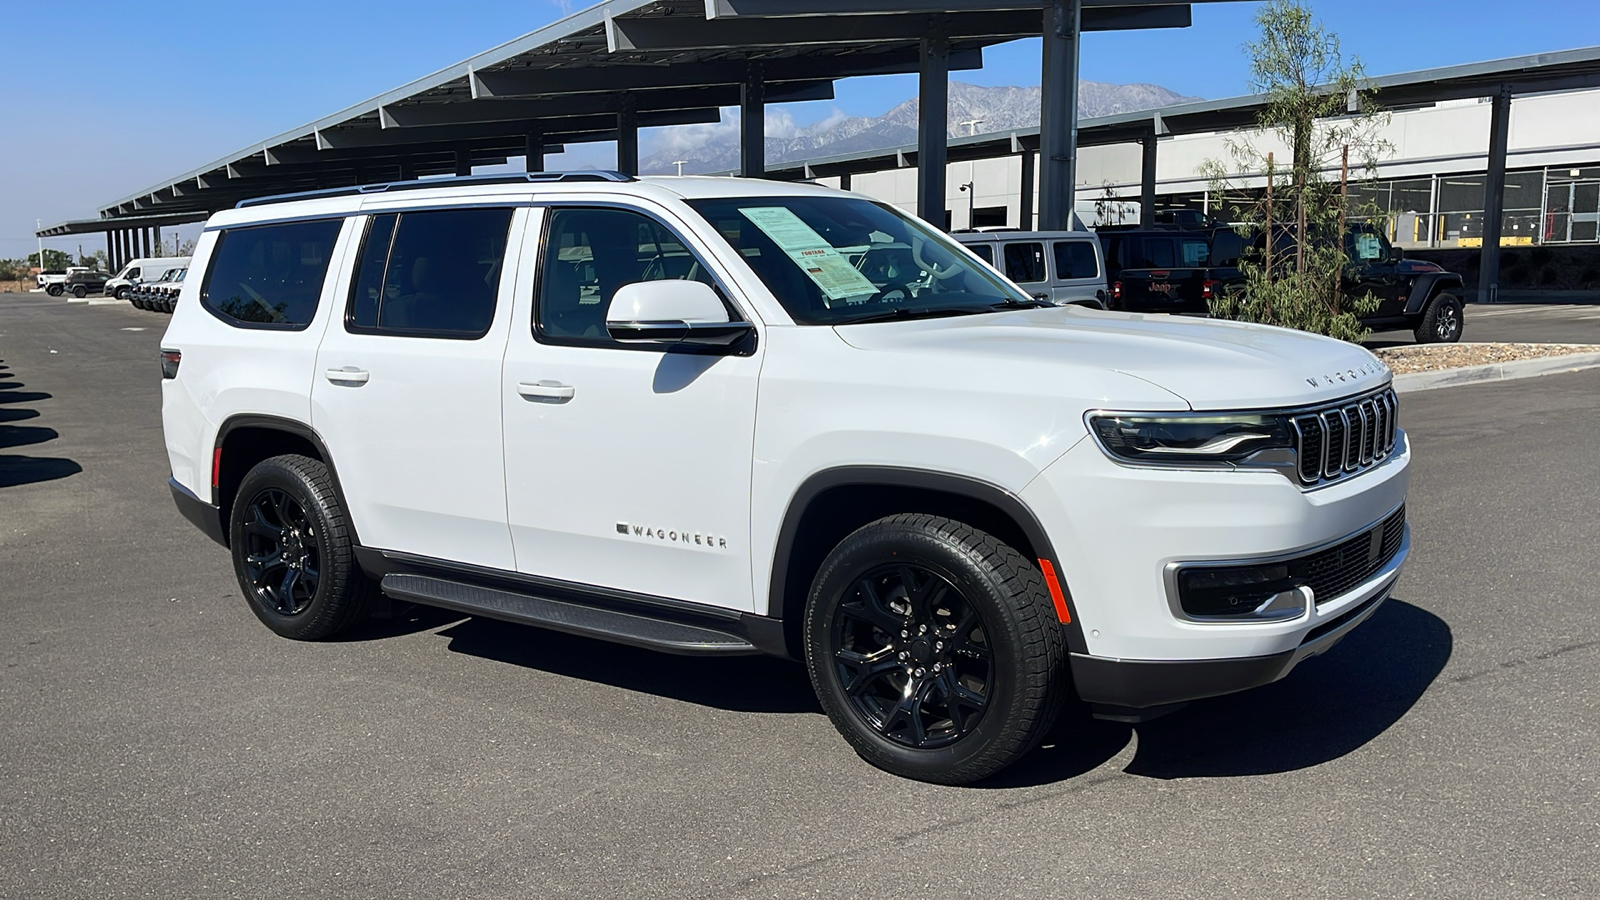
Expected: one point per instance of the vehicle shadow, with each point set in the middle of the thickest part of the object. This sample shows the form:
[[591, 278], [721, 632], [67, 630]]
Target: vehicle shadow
[[23, 396], [1328, 706], [8, 414], [758, 684]]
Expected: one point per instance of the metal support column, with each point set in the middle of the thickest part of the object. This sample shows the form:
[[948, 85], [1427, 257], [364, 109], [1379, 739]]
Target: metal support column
[[1026, 195], [1058, 117], [628, 138], [844, 182], [533, 151], [408, 169], [463, 161], [1147, 179], [933, 113], [753, 123], [1494, 196], [138, 234]]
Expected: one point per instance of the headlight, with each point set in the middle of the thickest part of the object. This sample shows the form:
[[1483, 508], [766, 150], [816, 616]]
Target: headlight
[[1224, 441]]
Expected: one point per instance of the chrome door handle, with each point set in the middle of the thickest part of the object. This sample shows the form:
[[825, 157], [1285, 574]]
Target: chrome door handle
[[546, 391], [350, 376]]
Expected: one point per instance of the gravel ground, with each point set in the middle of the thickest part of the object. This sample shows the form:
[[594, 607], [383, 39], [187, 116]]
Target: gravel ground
[[1432, 357]]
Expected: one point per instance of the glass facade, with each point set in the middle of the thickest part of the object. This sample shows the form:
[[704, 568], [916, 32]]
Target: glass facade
[[1542, 206]]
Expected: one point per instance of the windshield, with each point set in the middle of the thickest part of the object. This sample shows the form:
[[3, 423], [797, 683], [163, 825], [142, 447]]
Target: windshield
[[836, 260]]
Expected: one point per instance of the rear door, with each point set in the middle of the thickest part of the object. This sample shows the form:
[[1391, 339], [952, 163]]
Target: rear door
[[1078, 274], [407, 387]]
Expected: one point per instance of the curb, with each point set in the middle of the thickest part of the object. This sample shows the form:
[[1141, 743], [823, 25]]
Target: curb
[[1507, 371]]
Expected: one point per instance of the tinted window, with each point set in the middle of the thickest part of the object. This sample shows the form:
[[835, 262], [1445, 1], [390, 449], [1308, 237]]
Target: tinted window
[[1025, 262], [1153, 253], [589, 253], [984, 252], [1075, 259], [434, 272], [1194, 253], [1226, 248], [269, 276]]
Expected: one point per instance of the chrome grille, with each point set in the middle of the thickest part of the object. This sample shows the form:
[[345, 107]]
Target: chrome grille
[[1345, 438]]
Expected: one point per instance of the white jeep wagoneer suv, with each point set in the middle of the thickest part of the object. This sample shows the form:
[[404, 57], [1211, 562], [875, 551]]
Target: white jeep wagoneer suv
[[694, 414]]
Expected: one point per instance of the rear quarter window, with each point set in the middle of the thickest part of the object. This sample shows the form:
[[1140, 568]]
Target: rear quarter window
[[269, 276], [1075, 259]]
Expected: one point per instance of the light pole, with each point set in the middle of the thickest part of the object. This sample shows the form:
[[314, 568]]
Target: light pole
[[40, 227], [679, 163], [972, 126], [971, 197]]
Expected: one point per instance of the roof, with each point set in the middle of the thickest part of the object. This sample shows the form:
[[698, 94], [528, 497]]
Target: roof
[[1536, 73], [662, 62]]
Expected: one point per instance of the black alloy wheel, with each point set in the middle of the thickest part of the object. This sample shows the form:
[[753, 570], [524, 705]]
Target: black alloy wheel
[[293, 550], [912, 656], [1442, 322], [282, 552], [934, 648]]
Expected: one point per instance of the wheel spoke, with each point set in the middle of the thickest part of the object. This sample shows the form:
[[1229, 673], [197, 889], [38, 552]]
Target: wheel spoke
[[865, 669], [871, 608], [908, 713], [263, 563], [286, 603]]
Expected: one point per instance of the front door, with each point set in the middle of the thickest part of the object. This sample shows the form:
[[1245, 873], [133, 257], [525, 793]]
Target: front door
[[627, 466], [407, 386]]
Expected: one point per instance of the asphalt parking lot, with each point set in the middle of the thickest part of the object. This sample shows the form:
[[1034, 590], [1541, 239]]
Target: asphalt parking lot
[[158, 742]]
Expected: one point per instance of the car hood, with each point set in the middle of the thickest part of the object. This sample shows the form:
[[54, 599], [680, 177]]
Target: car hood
[[1211, 364]]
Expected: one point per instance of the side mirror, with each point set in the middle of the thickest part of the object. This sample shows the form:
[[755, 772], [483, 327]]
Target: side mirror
[[671, 312], [1396, 254]]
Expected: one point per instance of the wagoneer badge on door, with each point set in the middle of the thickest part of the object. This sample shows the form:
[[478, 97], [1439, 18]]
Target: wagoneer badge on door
[[674, 537]]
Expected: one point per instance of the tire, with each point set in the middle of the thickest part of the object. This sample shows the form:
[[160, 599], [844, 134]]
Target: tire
[[1442, 322], [292, 551], [878, 606], [80, 291], [54, 290], [122, 293]]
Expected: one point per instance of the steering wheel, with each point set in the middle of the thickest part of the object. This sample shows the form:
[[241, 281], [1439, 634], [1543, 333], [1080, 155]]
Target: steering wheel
[[890, 287], [935, 271]]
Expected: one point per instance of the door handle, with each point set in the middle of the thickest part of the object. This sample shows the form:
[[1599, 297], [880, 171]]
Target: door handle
[[350, 376], [546, 391]]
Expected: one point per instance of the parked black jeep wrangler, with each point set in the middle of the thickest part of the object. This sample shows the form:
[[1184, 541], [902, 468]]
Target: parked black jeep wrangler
[[1412, 293]]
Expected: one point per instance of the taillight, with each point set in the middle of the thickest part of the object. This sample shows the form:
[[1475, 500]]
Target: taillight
[[1116, 290], [1208, 289], [169, 363]]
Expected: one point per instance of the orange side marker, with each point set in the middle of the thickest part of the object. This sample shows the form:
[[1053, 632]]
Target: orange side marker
[[1054, 584]]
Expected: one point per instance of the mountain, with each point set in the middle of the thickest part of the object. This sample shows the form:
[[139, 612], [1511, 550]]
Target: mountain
[[715, 148]]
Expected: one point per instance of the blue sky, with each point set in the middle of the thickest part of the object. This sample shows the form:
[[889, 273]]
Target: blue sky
[[91, 125]]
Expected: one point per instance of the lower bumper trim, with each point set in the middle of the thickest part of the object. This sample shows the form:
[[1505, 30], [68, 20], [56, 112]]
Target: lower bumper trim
[[1138, 684], [201, 514]]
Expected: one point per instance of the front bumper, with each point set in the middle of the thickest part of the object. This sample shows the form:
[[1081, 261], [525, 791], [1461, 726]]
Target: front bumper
[[1134, 690]]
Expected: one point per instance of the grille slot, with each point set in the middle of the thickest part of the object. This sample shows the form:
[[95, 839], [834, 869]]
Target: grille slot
[[1334, 571], [1345, 438]]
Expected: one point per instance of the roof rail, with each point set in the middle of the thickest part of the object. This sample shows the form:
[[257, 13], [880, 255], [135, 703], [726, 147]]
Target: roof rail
[[421, 184]]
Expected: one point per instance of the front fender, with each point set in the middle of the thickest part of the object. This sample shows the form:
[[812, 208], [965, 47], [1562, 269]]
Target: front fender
[[1426, 286]]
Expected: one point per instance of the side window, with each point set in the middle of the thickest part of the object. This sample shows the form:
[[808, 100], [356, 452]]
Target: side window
[[131, 274], [984, 252], [1075, 259], [1025, 262], [432, 273], [269, 276], [588, 254], [1195, 253]]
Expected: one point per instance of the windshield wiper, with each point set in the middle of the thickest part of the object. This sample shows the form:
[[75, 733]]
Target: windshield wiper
[[919, 312], [1011, 303]]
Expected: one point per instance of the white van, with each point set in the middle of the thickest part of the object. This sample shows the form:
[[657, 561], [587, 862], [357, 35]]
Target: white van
[[141, 270], [1066, 268]]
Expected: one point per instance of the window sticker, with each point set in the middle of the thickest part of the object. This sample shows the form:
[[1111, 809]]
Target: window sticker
[[1367, 246], [816, 257]]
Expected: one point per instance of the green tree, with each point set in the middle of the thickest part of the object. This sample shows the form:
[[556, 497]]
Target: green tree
[[53, 259], [1322, 110]]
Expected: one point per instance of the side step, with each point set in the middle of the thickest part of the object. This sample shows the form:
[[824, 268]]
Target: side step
[[573, 618]]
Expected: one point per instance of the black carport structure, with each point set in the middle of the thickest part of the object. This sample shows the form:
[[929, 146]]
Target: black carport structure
[[603, 73], [1496, 81]]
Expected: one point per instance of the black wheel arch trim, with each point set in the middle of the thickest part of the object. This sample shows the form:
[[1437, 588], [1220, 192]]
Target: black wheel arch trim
[[298, 429], [1008, 503], [202, 515], [1427, 286]]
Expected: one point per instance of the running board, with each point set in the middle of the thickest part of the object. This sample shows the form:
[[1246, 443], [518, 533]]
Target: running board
[[573, 618]]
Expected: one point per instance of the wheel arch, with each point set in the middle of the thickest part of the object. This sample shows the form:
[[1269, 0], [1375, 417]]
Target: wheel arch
[[830, 504], [245, 440], [1427, 286]]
